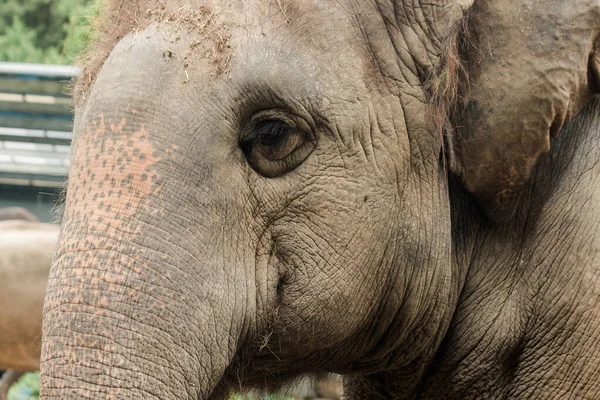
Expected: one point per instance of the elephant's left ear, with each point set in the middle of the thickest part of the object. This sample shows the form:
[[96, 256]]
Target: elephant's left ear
[[529, 70]]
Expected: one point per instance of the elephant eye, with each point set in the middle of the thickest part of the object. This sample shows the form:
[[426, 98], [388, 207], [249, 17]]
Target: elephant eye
[[275, 143]]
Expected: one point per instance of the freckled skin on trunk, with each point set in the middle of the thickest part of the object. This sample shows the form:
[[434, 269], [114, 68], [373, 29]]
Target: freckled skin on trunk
[[11, 376]]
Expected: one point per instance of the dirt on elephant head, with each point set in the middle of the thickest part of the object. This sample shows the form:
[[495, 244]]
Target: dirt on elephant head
[[119, 18]]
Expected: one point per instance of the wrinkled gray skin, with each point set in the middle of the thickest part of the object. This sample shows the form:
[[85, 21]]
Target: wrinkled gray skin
[[182, 270]]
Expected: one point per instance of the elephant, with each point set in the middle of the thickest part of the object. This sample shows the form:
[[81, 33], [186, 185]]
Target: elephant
[[26, 250], [12, 213], [402, 192], [8, 213]]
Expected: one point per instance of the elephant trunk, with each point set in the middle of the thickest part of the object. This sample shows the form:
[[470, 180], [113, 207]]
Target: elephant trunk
[[153, 285], [138, 304], [116, 325]]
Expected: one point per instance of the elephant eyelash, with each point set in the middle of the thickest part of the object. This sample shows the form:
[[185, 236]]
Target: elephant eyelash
[[272, 133]]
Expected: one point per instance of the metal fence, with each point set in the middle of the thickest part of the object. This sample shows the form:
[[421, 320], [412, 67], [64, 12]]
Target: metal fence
[[35, 124]]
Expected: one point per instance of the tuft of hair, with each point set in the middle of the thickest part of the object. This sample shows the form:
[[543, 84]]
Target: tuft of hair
[[58, 206], [448, 87]]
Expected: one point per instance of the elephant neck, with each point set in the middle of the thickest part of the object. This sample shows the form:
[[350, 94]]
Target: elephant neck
[[527, 319]]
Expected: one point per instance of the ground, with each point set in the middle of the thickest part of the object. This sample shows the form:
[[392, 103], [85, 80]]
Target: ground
[[27, 388]]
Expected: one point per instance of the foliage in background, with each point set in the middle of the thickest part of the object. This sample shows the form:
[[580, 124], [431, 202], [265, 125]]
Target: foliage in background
[[45, 31], [27, 388]]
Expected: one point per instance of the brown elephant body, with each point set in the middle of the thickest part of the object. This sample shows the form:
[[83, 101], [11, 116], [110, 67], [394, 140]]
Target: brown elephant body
[[11, 376], [26, 250], [9, 213]]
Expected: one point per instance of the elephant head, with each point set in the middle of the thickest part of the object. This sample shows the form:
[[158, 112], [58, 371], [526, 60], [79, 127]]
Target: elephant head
[[260, 189]]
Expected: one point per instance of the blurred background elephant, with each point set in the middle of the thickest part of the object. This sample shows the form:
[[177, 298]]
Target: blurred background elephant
[[26, 249], [9, 213]]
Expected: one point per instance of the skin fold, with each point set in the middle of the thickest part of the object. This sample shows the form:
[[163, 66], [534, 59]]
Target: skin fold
[[527, 321], [26, 250], [264, 189]]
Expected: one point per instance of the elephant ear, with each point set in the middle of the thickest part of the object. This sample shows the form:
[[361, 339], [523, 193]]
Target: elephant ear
[[527, 68]]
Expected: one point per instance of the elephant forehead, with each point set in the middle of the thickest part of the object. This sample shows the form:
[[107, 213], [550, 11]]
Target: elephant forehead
[[203, 31], [216, 32]]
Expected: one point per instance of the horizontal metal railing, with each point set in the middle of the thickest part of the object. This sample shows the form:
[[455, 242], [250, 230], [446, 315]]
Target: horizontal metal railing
[[35, 123]]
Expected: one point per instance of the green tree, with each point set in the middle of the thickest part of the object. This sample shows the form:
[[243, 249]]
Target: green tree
[[45, 31]]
